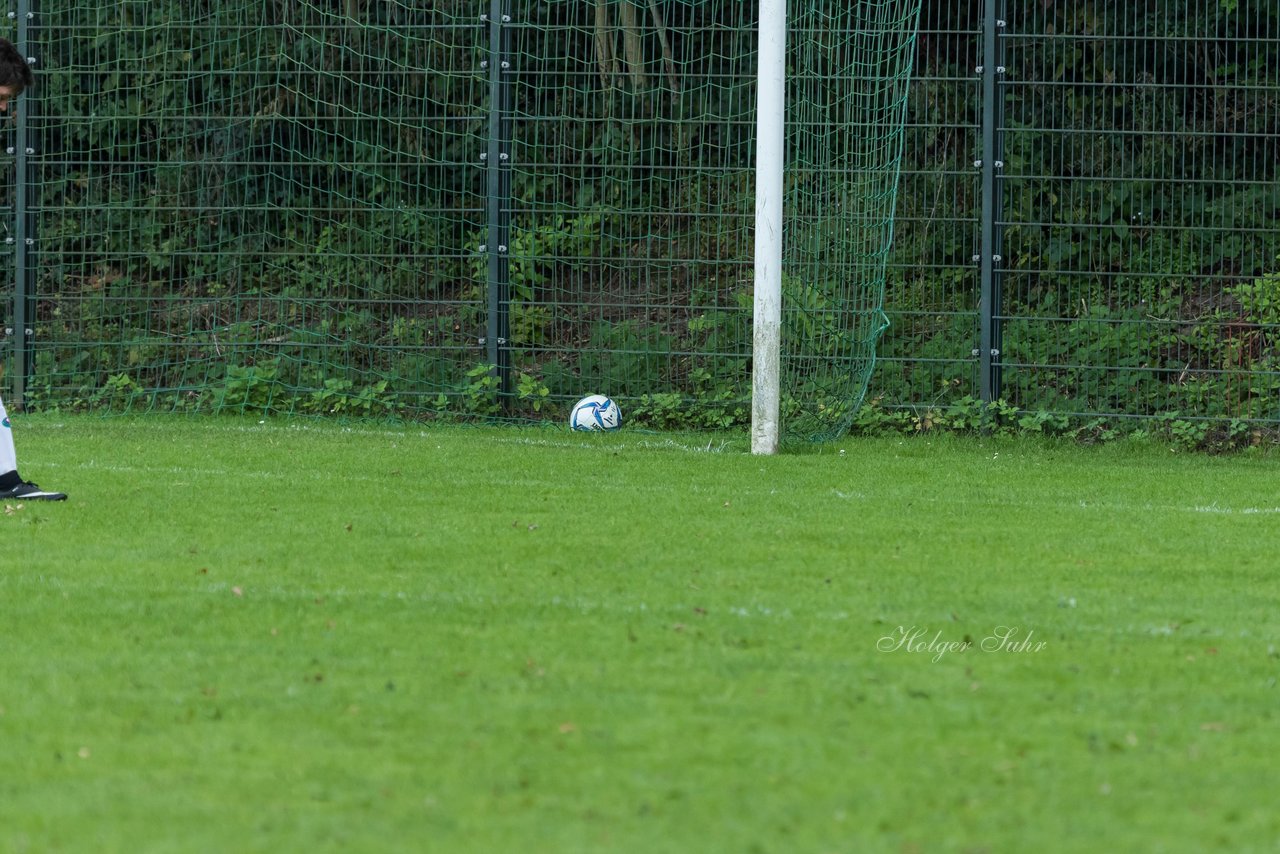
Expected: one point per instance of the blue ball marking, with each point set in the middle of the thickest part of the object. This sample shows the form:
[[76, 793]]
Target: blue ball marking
[[592, 412]]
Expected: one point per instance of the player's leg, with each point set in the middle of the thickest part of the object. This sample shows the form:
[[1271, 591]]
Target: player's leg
[[11, 483], [8, 456]]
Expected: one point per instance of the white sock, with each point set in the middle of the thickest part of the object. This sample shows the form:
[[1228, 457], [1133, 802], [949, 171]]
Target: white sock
[[8, 456]]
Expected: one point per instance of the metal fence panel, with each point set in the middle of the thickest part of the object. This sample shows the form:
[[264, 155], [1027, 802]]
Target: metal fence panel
[[1142, 209], [927, 355], [284, 207]]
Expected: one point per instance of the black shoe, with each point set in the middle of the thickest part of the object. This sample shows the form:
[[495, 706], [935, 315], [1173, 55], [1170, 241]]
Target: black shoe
[[30, 492]]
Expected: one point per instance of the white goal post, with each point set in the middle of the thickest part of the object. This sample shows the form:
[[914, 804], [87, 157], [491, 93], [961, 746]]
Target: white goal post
[[770, 158]]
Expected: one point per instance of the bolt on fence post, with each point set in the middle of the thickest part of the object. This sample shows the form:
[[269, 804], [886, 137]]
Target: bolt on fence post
[[25, 200], [991, 73], [497, 160]]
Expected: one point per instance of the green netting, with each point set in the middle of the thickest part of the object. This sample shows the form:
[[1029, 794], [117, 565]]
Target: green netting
[[849, 79], [293, 208], [634, 208]]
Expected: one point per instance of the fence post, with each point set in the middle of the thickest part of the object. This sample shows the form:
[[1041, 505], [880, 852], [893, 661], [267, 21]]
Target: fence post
[[497, 158], [22, 328], [991, 164]]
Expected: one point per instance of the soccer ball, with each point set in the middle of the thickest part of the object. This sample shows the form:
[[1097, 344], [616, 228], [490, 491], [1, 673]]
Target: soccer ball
[[595, 412]]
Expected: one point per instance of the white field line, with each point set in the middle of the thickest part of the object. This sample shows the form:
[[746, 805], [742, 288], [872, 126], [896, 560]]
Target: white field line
[[196, 471], [712, 446], [856, 496]]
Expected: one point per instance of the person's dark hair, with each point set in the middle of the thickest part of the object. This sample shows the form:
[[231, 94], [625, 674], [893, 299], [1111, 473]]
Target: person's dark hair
[[14, 70]]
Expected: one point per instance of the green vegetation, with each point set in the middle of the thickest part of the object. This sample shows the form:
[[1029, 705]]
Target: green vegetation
[[263, 635], [272, 208], [1140, 194]]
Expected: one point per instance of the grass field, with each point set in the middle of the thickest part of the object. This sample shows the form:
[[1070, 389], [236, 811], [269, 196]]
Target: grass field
[[241, 636]]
